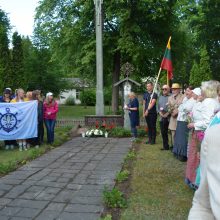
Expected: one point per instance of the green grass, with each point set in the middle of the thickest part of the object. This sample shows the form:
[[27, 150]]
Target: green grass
[[11, 159], [77, 111], [158, 190]]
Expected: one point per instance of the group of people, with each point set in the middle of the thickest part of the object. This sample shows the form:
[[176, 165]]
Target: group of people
[[193, 117], [46, 114]]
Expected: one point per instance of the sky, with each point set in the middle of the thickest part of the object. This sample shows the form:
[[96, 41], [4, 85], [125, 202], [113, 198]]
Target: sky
[[21, 14]]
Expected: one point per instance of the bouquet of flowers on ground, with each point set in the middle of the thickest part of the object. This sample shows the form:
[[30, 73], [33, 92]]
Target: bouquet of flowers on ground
[[94, 133], [101, 129]]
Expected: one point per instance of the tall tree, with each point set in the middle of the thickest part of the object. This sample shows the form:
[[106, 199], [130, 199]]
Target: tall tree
[[204, 65], [4, 51], [202, 71], [134, 31], [195, 78], [209, 32], [18, 79]]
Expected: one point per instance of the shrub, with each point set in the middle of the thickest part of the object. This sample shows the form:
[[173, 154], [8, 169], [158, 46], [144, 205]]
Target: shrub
[[107, 217], [88, 97], [114, 198], [70, 100], [142, 132], [130, 155], [122, 176], [120, 132]]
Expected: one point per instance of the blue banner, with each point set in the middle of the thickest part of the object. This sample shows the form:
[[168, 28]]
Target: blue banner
[[18, 120]]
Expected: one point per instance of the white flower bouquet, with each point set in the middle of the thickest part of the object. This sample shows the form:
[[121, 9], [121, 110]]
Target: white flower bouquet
[[94, 133]]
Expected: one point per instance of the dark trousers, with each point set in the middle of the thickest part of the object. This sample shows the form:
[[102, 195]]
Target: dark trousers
[[50, 125], [134, 131], [10, 142], [40, 133], [151, 120], [164, 123]]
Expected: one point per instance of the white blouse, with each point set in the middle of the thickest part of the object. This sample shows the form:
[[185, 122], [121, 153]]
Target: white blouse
[[204, 113], [185, 108]]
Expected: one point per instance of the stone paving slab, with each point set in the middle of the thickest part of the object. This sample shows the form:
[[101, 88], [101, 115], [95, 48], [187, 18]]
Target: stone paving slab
[[65, 183]]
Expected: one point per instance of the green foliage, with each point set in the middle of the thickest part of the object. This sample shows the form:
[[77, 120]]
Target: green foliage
[[5, 61], [114, 198], [107, 96], [70, 100], [201, 72], [88, 97], [122, 176], [17, 77], [120, 132], [131, 155], [107, 217], [204, 65], [142, 132], [195, 78]]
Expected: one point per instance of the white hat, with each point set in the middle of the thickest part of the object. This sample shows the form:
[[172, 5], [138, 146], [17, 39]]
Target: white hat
[[49, 94], [197, 91]]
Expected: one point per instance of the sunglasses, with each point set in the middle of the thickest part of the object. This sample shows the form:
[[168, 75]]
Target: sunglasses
[[164, 88]]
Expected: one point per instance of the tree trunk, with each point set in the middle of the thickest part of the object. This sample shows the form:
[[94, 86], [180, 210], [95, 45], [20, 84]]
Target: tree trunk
[[115, 78]]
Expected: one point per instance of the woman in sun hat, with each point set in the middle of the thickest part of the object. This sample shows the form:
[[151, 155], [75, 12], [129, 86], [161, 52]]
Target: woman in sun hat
[[173, 103], [50, 109]]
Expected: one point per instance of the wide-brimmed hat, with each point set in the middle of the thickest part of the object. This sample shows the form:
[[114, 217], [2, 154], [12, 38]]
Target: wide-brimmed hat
[[197, 91], [176, 86]]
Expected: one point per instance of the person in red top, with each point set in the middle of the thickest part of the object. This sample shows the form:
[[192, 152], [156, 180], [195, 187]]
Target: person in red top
[[50, 112]]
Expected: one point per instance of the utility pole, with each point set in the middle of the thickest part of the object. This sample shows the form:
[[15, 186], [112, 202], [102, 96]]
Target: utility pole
[[99, 58]]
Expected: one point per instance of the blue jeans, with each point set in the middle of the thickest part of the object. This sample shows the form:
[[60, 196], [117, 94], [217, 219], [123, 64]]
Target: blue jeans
[[50, 125]]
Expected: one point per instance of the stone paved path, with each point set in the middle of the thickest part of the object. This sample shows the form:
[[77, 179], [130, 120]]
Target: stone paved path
[[66, 183]]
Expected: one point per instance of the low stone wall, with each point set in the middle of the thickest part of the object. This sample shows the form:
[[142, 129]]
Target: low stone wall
[[91, 120], [116, 120]]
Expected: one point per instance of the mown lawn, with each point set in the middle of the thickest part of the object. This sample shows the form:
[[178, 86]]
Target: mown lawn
[[158, 188], [11, 159], [78, 111]]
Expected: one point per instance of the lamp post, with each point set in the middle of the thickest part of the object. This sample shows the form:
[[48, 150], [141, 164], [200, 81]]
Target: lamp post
[[99, 59]]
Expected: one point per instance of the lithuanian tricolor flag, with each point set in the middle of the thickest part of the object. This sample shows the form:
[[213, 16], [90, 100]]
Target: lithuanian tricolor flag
[[166, 63]]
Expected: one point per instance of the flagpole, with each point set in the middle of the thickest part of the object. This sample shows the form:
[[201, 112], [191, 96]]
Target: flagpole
[[167, 78], [158, 75]]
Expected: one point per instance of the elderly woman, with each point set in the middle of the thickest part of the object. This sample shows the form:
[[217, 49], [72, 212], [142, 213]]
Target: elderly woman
[[133, 108], [181, 135], [204, 114], [206, 201], [209, 106], [193, 157]]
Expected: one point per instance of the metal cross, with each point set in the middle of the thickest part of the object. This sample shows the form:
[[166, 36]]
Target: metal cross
[[127, 69]]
